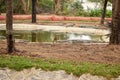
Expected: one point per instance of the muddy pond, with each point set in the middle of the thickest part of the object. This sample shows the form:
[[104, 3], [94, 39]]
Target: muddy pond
[[49, 36]]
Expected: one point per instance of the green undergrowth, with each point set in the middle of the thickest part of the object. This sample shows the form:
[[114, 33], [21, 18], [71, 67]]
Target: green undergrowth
[[19, 63]]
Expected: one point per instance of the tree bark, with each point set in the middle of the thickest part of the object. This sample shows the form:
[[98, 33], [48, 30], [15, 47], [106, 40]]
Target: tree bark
[[115, 31], [9, 27], [25, 6], [33, 11], [104, 12]]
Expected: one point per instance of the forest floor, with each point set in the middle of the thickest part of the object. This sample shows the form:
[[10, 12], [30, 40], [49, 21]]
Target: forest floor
[[96, 53]]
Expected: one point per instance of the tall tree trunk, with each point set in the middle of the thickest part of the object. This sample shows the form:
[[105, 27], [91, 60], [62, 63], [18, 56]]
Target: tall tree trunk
[[9, 26], [104, 12], [33, 11], [115, 31]]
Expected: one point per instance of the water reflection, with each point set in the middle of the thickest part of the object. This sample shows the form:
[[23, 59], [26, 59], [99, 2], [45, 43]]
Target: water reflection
[[79, 37], [43, 36]]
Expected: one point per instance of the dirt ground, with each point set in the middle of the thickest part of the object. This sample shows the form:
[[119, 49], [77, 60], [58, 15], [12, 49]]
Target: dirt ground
[[98, 53]]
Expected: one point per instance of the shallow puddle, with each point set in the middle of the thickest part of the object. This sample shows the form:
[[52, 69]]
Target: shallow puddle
[[44, 36]]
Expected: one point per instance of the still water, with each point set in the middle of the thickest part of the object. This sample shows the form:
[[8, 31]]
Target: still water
[[44, 36]]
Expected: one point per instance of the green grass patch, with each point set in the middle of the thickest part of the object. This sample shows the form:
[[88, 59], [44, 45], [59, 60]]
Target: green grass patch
[[19, 63]]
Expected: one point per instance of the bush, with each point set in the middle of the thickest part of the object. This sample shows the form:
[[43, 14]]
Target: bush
[[46, 6], [109, 13], [17, 7], [2, 8], [95, 12]]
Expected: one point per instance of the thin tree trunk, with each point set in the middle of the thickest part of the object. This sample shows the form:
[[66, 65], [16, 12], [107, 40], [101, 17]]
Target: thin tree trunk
[[25, 6], [9, 26], [115, 31], [62, 5], [104, 12], [33, 11], [58, 6], [28, 5], [55, 6]]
